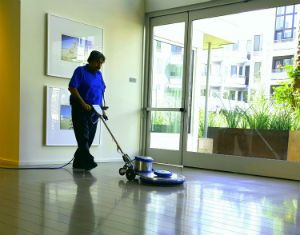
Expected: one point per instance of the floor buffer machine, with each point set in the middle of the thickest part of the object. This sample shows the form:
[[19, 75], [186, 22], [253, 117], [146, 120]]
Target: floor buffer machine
[[142, 165]]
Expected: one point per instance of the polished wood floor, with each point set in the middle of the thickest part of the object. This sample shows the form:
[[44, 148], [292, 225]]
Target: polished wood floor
[[63, 202]]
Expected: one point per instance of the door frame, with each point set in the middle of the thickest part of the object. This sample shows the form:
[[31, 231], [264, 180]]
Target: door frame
[[162, 155]]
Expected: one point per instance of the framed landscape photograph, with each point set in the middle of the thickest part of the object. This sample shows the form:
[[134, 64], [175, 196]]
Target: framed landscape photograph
[[69, 45], [59, 126]]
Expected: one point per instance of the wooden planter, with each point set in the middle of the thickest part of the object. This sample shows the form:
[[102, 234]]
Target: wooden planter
[[249, 142]]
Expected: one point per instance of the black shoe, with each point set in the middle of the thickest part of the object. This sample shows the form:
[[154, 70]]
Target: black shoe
[[84, 165], [91, 165], [77, 164]]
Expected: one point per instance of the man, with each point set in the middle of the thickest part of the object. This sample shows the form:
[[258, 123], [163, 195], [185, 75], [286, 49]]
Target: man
[[87, 89]]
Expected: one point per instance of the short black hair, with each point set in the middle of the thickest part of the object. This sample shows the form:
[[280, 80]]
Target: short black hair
[[96, 55]]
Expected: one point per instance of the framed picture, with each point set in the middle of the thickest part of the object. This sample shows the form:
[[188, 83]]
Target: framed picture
[[59, 130], [69, 45]]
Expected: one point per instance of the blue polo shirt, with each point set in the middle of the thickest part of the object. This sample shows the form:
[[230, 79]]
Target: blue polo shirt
[[90, 86]]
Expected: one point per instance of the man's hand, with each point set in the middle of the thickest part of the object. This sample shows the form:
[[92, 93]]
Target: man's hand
[[104, 116], [86, 107]]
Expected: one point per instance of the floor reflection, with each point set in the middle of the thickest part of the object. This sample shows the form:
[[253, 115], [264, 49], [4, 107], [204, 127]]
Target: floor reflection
[[103, 202], [82, 220]]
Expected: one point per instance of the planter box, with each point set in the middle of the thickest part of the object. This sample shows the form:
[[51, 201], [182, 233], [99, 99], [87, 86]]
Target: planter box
[[271, 144]]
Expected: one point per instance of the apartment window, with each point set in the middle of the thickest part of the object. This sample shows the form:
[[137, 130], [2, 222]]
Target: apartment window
[[248, 49], [233, 71], [257, 43], [241, 70], [245, 96], [176, 49], [174, 70], [257, 71], [235, 46], [231, 95], [280, 61], [158, 45], [248, 46], [285, 23], [215, 92], [240, 95], [247, 73]]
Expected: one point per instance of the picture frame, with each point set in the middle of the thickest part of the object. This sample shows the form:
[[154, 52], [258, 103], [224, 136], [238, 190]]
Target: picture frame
[[59, 128], [69, 45]]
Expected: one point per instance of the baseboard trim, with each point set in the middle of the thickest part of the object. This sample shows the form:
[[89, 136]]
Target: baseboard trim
[[43, 163], [7, 162]]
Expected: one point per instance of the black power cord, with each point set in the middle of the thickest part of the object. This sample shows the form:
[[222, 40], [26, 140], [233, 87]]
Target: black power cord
[[37, 168]]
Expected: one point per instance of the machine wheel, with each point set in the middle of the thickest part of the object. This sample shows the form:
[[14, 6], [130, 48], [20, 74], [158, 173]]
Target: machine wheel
[[122, 171], [130, 174]]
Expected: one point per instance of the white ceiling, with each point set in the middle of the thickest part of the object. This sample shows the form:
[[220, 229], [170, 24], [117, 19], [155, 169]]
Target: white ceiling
[[155, 5]]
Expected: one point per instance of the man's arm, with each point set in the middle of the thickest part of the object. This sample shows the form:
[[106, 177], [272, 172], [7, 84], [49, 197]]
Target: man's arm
[[77, 96]]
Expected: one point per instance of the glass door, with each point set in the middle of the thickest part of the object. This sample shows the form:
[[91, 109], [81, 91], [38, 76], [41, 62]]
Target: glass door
[[166, 88], [241, 115], [220, 95]]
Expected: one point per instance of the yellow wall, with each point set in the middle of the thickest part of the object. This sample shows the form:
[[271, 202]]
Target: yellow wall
[[9, 81]]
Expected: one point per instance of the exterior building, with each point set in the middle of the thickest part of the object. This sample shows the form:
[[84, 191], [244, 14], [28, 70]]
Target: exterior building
[[254, 64]]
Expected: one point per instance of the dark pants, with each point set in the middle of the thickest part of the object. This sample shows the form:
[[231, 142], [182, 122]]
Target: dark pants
[[84, 129]]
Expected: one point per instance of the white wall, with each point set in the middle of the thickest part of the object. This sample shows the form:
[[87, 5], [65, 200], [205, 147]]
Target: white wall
[[156, 5], [122, 21]]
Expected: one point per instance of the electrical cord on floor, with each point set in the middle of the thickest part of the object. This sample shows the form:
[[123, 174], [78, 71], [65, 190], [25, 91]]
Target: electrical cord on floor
[[37, 168]]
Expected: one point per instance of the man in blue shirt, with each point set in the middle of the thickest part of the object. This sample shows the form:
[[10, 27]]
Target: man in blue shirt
[[87, 89]]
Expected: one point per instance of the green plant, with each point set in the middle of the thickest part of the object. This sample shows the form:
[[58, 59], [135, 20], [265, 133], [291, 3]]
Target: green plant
[[159, 119], [286, 94], [243, 122], [232, 117], [281, 120], [214, 120], [292, 71], [164, 122], [258, 115], [283, 94]]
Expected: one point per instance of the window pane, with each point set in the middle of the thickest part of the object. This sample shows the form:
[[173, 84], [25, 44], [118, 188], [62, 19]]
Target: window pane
[[165, 128], [240, 70], [288, 34], [248, 46], [278, 35], [167, 68], [233, 70], [288, 21], [279, 22], [257, 42], [287, 61], [280, 10], [235, 46], [158, 46], [221, 128], [289, 9], [257, 66]]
